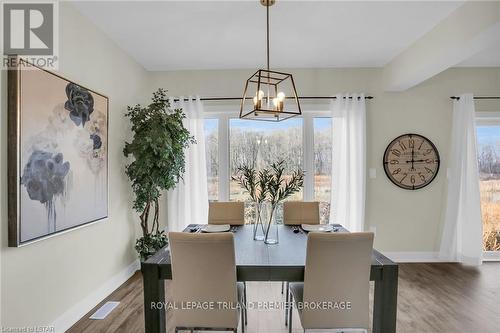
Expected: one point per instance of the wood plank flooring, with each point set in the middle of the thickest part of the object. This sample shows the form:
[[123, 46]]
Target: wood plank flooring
[[433, 298]]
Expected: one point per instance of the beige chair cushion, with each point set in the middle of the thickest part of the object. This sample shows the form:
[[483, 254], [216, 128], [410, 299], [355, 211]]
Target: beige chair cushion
[[232, 213], [300, 212], [204, 271], [337, 272]]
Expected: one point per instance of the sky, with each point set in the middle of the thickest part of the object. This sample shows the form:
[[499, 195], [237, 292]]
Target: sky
[[489, 135]]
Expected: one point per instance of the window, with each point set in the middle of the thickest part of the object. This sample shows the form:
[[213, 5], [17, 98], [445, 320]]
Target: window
[[323, 165], [211, 127], [303, 142], [258, 144], [488, 146]]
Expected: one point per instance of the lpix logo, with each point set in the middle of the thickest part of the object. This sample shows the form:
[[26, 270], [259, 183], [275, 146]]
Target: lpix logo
[[30, 30]]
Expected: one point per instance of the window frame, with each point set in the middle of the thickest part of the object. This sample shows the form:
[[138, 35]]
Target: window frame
[[488, 119], [224, 113]]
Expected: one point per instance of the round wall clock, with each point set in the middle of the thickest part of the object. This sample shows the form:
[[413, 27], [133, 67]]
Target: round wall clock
[[411, 161]]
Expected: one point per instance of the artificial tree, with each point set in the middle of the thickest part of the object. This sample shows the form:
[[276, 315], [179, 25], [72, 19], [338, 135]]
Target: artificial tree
[[157, 147]]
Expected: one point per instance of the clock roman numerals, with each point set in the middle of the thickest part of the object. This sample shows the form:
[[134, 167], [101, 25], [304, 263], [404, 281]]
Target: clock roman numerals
[[411, 161]]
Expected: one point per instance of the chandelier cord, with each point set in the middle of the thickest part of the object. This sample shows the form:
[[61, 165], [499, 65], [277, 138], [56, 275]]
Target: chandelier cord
[[267, 17]]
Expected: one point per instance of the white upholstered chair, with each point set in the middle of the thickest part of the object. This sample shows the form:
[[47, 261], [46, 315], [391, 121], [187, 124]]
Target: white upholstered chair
[[300, 212], [204, 274], [297, 213], [337, 271], [232, 213]]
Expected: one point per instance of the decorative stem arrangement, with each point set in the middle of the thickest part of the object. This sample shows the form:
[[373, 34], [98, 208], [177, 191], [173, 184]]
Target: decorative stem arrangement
[[269, 186], [256, 186]]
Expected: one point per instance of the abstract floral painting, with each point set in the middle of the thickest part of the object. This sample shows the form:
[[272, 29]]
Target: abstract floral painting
[[61, 147]]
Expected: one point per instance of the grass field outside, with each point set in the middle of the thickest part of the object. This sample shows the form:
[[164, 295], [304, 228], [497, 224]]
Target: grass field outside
[[490, 210]]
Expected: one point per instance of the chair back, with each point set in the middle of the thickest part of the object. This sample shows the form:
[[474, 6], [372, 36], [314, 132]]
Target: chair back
[[204, 271], [300, 212], [337, 271], [232, 213]]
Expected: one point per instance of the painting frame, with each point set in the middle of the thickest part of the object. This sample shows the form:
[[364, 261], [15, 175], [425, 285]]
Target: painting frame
[[14, 151]]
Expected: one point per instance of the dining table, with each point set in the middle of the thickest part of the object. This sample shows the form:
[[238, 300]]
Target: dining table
[[257, 261]]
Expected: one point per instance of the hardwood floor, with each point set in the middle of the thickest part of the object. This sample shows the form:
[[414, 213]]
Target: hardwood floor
[[433, 298]]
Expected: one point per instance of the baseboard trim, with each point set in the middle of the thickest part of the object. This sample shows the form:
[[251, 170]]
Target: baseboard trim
[[429, 257], [77, 311], [491, 256], [423, 257]]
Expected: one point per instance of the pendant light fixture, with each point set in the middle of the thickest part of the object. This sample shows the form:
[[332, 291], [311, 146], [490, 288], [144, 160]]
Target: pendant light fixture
[[269, 95]]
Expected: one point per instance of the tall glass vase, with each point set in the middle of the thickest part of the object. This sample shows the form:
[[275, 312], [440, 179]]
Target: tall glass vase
[[271, 235], [258, 226]]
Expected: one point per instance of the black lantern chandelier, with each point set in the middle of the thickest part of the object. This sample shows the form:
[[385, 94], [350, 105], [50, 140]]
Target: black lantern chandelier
[[266, 92]]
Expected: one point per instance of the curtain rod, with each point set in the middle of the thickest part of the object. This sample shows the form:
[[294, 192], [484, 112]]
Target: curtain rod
[[239, 98], [478, 97]]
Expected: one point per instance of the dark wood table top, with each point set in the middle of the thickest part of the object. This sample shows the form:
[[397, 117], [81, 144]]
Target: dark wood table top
[[286, 259], [256, 261]]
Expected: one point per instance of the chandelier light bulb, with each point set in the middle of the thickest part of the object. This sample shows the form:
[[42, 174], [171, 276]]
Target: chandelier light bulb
[[276, 102], [257, 102], [281, 96]]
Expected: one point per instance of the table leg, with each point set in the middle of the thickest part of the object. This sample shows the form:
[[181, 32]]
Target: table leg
[[154, 300], [386, 301]]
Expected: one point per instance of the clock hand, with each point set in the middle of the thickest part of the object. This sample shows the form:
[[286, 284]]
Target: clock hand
[[416, 161], [412, 159]]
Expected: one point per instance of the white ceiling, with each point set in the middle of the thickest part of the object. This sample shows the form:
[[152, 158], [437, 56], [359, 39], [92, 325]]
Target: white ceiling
[[169, 35], [487, 58]]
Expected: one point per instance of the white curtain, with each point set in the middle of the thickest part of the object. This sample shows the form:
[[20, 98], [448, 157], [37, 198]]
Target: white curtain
[[348, 161], [462, 234], [188, 202]]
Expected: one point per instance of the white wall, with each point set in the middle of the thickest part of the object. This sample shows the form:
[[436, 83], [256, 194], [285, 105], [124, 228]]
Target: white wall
[[41, 281], [406, 221]]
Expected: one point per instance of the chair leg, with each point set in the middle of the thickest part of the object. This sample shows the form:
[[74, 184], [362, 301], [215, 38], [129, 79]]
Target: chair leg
[[282, 285], [245, 301], [242, 322], [290, 310], [286, 303]]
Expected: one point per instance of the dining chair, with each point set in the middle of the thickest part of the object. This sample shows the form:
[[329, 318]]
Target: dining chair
[[232, 212], [337, 278], [297, 213], [300, 212], [205, 293]]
